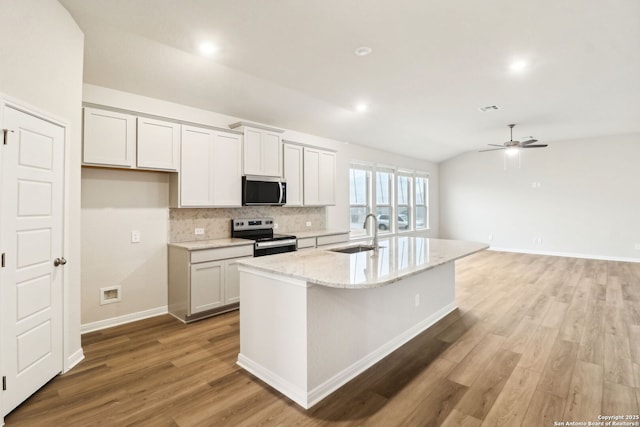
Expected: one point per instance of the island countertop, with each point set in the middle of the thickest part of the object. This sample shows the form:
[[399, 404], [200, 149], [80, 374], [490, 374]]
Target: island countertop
[[397, 258]]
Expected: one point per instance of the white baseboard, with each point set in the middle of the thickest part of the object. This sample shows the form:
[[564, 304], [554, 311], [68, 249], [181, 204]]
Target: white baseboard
[[285, 387], [120, 320], [310, 398], [75, 358], [565, 254]]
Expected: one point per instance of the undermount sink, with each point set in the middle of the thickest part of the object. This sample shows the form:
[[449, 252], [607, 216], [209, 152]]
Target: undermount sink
[[354, 249]]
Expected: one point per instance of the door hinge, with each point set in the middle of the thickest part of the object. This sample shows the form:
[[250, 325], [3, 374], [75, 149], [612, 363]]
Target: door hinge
[[5, 132], [4, 383], [3, 260]]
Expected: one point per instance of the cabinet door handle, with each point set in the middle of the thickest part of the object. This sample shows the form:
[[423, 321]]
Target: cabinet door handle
[[59, 261]]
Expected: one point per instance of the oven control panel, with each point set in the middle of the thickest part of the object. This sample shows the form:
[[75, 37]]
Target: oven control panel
[[251, 224]]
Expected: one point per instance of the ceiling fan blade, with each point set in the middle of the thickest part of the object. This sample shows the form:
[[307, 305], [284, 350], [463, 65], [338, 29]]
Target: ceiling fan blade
[[529, 141], [492, 149], [497, 145], [535, 146]]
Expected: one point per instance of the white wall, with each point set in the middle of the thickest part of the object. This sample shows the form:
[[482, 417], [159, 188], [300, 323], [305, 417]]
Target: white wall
[[587, 203], [114, 203], [42, 49]]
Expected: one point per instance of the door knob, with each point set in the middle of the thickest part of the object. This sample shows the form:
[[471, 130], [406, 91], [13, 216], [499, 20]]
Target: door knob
[[59, 261]]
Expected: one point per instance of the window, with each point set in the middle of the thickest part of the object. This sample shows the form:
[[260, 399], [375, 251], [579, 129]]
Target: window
[[384, 200], [405, 207], [421, 201], [400, 200], [359, 198]]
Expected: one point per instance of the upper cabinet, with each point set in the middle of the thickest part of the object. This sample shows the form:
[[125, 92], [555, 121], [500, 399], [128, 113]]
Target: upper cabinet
[[262, 149], [109, 138], [211, 169], [310, 173], [293, 173], [158, 144], [112, 138], [319, 177]]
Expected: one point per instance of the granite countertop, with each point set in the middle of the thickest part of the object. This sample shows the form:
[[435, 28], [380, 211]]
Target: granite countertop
[[213, 243], [398, 257], [315, 233]]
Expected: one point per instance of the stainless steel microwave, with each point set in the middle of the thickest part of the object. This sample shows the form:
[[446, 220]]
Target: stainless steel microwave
[[262, 190]]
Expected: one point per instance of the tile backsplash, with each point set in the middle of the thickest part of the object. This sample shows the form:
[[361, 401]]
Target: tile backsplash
[[217, 222]]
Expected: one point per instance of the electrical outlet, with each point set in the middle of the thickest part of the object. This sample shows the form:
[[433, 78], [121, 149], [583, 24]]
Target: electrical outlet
[[275, 225], [490, 238], [308, 223], [539, 241], [199, 231], [637, 246], [135, 236], [417, 300]]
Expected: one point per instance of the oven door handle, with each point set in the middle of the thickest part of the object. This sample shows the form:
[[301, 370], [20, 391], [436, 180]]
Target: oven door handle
[[275, 243]]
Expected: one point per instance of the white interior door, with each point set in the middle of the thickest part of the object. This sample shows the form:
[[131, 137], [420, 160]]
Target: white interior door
[[31, 228]]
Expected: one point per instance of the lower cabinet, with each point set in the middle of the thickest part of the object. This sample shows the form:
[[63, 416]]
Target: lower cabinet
[[204, 282]]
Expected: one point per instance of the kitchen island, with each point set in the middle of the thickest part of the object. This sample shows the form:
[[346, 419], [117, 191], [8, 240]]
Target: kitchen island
[[312, 320]]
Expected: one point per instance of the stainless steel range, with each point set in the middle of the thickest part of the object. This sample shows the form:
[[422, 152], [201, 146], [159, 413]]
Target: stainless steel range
[[260, 230]]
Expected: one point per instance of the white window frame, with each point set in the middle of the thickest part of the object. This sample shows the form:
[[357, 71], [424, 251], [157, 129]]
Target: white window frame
[[368, 232], [424, 176]]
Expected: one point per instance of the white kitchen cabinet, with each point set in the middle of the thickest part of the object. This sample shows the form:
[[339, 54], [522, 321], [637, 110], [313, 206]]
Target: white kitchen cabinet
[[210, 171], [109, 138], [319, 177], [158, 144], [262, 149], [204, 282], [293, 173], [207, 286]]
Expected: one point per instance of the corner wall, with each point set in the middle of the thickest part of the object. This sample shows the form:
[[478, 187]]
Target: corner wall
[[41, 48], [586, 203]]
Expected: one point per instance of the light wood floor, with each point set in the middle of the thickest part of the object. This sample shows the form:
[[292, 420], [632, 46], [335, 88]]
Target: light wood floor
[[536, 339]]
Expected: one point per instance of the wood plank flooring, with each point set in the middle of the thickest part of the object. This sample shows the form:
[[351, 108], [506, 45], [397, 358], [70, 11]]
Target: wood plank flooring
[[535, 340]]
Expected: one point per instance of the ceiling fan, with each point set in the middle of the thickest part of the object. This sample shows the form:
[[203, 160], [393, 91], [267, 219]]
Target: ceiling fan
[[511, 144]]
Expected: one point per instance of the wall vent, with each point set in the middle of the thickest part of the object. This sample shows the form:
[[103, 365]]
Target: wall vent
[[489, 108], [110, 294]]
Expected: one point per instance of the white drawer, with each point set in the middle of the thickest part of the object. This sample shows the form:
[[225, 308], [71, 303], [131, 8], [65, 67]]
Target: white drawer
[[307, 242], [335, 238], [221, 253]]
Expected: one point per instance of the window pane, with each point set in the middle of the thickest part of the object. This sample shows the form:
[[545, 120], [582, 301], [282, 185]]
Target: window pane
[[383, 180], [404, 217], [383, 215], [404, 186], [358, 187], [357, 215], [421, 217], [421, 191]]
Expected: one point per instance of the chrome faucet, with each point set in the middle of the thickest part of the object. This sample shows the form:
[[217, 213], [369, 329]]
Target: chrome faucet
[[375, 229]]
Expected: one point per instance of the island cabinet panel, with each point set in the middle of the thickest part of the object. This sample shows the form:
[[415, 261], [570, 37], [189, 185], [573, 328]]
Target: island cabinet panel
[[109, 138], [293, 174], [319, 177], [211, 170], [158, 144]]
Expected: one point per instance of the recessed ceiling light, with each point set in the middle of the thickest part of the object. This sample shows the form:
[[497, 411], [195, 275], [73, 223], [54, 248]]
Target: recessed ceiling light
[[518, 65], [361, 108], [207, 49], [363, 51]]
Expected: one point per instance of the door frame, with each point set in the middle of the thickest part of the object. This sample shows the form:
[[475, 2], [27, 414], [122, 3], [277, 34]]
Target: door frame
[[67, 362]]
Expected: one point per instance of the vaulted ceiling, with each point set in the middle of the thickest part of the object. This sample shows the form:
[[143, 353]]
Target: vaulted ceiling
[[291, 64]]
